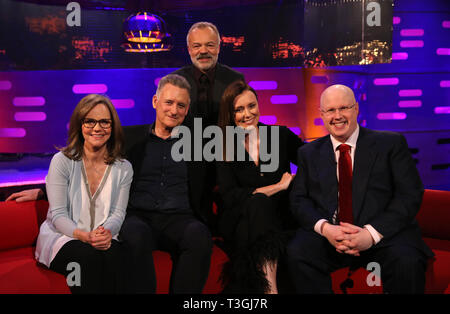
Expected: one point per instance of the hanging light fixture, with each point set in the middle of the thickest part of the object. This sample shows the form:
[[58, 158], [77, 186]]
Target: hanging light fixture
[[146, 32], [144, 27], [164, 45]]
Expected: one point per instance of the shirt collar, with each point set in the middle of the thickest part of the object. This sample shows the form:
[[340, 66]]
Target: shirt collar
[[151, 133], [210, 74], [351, 141]]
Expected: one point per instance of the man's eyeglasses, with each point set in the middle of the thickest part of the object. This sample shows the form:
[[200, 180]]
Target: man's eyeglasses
[[91, 123], [343, 109]]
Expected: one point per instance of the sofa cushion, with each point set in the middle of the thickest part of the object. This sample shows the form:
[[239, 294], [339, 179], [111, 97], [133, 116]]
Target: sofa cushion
[[19, 273], [19, 223]]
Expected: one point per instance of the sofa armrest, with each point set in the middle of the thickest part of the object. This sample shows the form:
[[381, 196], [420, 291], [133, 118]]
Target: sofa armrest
[[19, 223], [434, 214]]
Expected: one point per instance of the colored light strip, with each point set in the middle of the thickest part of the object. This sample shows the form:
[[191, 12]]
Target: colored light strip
[[30, 116], [442, 110], [19, 183], [446, 24], [263, 85], [443, 51], [28, 101], [396, 20], [410, 103], [12, 132], [386, 81], [318, 121], [123, 103], [399, 56], [391, 116], [293, 168], [268, 119], [89, 88], [410, 92], [444, 84], [283, 99], [412, 32], [5, 85], [319, 79], [411, 43], [296, 130]]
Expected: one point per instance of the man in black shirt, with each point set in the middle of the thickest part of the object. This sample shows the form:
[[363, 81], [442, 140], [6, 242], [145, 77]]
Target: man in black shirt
[[163, 209], [208, 80]]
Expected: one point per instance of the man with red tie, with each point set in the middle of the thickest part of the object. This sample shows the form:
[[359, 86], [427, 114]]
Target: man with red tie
[[355, 196]]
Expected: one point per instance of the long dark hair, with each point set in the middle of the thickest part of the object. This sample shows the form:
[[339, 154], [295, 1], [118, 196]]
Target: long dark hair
[[226, 109], [75, 141]]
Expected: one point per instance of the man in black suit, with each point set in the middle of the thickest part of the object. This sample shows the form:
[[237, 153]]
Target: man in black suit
[[165, 199], [207, 77], [208, 80], [355, 196]]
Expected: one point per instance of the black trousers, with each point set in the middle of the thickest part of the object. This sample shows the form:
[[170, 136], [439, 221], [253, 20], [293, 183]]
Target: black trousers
[[185, 238], [311, 259], [99, 271]]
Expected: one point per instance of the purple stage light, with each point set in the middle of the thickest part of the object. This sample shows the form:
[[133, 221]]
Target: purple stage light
[[12, 132], [410, 103], [410, 92], [123, 103], [318, 121], [412, 32], [283, 99], [89, 88], [443, 51], [399, 56], [442, 110], [28, 101], [444, 84], [296, 130], [30, 116], [5, 85], [391, 116], [270, 120], [411, 43], [263, 85], [386, 81], [396, 20], [446, 24]]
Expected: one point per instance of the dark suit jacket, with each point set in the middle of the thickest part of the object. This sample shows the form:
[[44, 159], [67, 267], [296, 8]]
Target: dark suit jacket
[[387, 190], [223, 77], [135, 137]]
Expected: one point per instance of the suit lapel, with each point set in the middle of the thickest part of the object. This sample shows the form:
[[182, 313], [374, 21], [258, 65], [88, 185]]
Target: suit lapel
[[364, 159], [326, 169]]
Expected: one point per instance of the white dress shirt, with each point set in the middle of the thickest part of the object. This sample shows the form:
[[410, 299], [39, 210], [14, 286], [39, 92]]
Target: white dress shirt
[[351, 141]]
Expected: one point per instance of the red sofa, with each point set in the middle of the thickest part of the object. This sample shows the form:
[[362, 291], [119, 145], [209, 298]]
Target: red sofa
[[20, 273]]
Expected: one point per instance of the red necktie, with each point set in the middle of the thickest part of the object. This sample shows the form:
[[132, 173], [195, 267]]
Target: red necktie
[[345, 213]]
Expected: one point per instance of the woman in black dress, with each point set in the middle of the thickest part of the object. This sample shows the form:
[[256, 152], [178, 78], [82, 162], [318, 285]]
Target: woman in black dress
[[254, 217]]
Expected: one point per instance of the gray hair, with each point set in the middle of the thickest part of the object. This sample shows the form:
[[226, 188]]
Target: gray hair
[[174, 79], [203, 25]]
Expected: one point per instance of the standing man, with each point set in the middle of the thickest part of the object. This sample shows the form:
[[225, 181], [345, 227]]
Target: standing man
[[355, 196], [208, 80], [207, 77], [165, 199]]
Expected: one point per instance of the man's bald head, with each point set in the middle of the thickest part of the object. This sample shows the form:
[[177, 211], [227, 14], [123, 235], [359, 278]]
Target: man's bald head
[[335, 92], [339, 111]]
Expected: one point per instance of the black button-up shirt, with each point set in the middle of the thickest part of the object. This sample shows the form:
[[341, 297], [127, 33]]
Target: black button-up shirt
[[161, 186]]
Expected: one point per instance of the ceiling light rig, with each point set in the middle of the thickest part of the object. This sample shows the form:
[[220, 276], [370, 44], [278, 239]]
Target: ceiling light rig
[[146, 32]]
